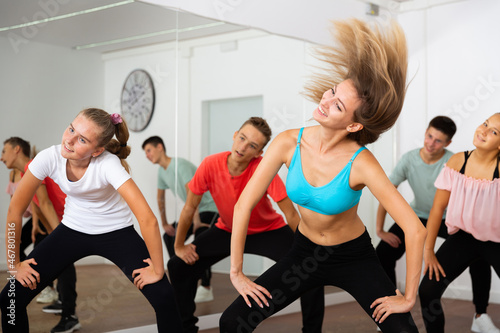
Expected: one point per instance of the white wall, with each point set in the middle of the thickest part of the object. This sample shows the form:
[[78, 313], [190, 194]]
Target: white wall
[[42, 88], [454, 56]]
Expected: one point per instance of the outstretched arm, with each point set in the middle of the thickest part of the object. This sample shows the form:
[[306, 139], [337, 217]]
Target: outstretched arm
[[196, 216], [386, 236], [441, 199], [37, 218], [375, 178], [46, 207], [187, 252], [150, 232], [291, 214], [160, 199], [253, 192], [24, 273]]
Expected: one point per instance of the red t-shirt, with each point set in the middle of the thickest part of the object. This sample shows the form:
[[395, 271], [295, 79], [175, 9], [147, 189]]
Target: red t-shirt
[[213, 175], [56, 196]]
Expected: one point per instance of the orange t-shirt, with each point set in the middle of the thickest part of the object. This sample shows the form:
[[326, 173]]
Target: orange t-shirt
[[213, 175]]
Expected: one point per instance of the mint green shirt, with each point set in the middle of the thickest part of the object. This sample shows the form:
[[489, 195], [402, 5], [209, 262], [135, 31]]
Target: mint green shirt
[[421, 177], [166, 180]]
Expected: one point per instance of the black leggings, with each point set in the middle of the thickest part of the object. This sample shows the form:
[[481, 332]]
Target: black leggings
[[352, 266], [456, 254], [480, 270], [206, 217], [26, 237], [124, 247], [212, 246]]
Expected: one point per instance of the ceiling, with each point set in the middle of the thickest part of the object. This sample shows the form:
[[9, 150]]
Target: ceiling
[[101, 25], [110, 25]]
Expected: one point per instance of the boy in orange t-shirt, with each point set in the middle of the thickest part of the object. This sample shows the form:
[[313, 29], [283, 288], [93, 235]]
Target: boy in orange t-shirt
[[225, 175]]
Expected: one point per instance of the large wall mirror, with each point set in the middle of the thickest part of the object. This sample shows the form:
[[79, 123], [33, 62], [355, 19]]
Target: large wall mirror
[[208, 76]]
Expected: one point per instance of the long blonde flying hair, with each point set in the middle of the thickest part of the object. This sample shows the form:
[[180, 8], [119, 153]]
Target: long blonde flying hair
[[376, 60]]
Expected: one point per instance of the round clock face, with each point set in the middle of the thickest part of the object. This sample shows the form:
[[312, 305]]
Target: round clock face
[[138, 100]]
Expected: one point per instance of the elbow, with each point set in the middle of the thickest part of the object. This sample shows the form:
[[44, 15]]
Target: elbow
[[149, 222], [239, 208], [241, 211], [14, 214], [421, 233], [416, 233]]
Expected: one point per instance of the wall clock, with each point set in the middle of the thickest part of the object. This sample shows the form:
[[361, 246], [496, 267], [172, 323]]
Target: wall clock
[[138, 100]]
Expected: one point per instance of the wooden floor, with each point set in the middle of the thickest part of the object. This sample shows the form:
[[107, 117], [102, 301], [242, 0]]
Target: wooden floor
[[107, 301]]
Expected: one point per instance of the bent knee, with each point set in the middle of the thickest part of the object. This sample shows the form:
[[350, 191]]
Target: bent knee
[[238, 318], [229, 324], [174, 263]]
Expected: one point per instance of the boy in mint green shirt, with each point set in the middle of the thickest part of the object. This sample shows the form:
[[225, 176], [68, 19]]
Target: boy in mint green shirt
[[174, 174]]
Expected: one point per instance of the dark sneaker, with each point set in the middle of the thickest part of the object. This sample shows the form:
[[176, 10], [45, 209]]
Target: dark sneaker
[[55, 308], [67, 325]]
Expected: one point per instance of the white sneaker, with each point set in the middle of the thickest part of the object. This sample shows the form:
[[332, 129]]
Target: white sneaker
[[204, 295], [483, 324], [48, 295]]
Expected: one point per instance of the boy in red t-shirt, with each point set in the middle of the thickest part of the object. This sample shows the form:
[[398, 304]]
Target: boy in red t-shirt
[[225, 175]]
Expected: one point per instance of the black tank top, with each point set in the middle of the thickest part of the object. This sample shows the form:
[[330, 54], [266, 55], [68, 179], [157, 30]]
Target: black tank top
[[467, 155]]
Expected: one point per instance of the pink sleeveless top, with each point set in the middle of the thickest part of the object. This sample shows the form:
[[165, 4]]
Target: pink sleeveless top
[[474, 204]]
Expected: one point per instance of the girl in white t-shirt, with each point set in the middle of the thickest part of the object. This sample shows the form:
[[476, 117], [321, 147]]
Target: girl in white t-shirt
[[89, 167]]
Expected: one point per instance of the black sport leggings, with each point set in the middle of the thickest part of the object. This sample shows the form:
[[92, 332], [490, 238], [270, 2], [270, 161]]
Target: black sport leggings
[[212, 246], [206, 217], [352, 266], [124, 247], [480, 271], [455, 255]]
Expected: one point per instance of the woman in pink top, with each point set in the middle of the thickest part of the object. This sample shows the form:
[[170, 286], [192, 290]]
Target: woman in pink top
[[469, 185]]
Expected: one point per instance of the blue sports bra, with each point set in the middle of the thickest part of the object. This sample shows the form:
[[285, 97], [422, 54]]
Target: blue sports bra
[[330, 199]]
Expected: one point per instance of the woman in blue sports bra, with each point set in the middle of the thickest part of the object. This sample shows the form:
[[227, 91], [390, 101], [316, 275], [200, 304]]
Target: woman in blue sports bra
[[328, 168]]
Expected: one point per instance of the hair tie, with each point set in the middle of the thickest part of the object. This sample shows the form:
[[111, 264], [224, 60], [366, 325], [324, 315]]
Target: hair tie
[[123, 145], [116, 119]]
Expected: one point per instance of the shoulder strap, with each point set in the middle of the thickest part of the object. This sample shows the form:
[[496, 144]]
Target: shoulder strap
[[300, 135], [466, 156], [356, 153]]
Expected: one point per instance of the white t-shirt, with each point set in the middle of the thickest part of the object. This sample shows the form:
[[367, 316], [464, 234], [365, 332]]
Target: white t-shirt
[[93, 206]]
